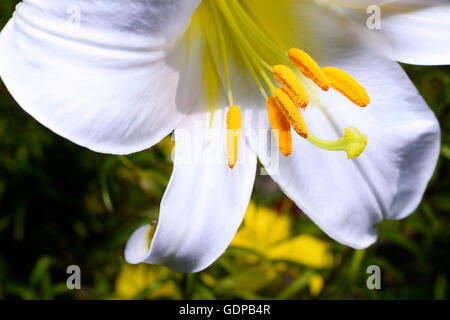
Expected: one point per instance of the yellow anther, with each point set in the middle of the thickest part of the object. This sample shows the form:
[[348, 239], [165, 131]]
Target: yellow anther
[[280, 126], [349, 87], [309, 67], [291, 84], [233, 134], [353, 142], [291, 112]]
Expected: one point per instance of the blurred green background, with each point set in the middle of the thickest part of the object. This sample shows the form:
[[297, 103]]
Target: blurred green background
[[61, 204]]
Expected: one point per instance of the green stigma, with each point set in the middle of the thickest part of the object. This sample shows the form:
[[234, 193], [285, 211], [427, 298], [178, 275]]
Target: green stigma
[[353, 142]]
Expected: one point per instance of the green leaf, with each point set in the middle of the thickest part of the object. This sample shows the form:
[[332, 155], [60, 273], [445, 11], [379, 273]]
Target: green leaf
[[440, 287], [296, 286], [145, 292]]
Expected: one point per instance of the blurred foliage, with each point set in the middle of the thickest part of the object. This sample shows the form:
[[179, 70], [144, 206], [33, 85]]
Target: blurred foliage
[[61, 204]]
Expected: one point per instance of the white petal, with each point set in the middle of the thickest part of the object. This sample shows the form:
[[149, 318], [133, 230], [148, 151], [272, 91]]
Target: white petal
[[205, 201], [412, 32], [403, 133], [347, 197], [116, 82]]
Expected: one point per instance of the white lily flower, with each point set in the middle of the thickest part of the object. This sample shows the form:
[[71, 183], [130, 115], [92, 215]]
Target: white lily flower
[[117, 76]]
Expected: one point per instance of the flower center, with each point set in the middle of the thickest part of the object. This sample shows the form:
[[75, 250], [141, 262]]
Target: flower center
[[228, 28]]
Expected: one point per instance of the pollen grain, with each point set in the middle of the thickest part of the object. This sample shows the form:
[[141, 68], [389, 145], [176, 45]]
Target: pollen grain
[[309, 67], [291, 112], [233, 134], [280, 126], [291, 84], [347, 85]]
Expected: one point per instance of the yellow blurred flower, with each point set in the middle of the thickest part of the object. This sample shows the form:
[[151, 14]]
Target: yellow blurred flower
[[315, 285], [207, 279], [261, 229], [134, 279], [304, 249], [269, 233]]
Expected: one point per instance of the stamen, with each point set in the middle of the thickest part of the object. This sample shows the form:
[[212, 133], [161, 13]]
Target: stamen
[[291, 85], [233, 134], [280, 126], [347, 85], [309, 67], [353, 142], [250, 56], [223, 52], [227, 25], [291, 112]]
